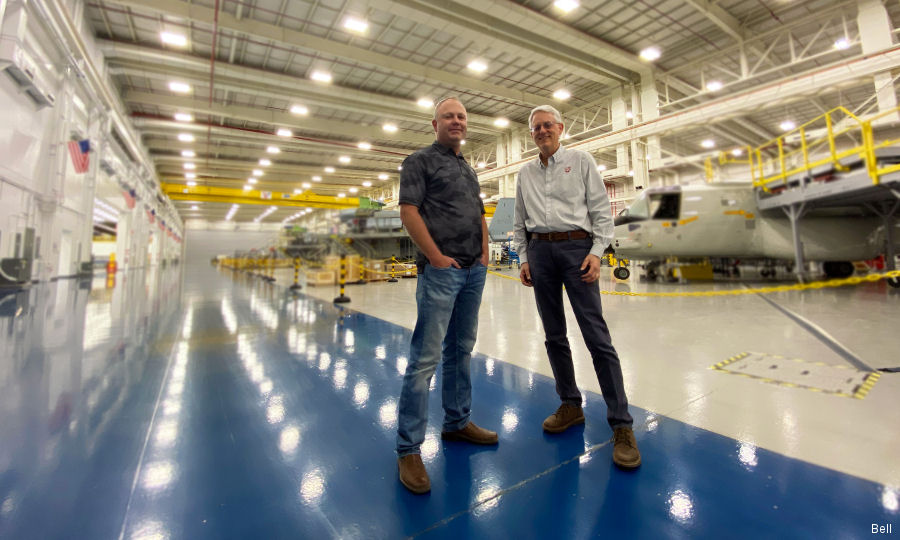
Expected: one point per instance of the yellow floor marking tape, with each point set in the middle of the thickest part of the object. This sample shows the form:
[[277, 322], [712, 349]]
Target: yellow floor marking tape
[[837, 380]]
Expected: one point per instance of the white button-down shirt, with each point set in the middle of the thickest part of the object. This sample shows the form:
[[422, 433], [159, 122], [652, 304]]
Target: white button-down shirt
[[566, 195]]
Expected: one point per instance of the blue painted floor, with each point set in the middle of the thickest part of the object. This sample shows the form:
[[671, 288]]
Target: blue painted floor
[[195, 404]]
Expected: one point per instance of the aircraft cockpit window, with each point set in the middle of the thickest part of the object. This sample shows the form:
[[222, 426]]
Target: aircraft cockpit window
[[665, 205], [638, 211]]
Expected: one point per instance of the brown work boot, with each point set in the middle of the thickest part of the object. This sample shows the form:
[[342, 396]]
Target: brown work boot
[[625, 450], [565, 417], [471, 433], [413, 474]]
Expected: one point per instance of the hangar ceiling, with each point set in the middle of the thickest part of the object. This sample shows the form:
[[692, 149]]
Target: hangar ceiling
[[345, 77]]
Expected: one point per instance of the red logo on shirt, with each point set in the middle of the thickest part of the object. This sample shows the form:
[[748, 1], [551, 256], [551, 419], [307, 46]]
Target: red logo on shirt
[[568, 169]]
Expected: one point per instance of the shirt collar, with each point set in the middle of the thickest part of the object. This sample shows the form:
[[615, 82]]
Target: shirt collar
[[558, 155], [446, 149]]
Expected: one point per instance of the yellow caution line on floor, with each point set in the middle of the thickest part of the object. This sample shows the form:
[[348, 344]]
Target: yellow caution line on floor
[[763, 290], [855, 280], [867, 385]]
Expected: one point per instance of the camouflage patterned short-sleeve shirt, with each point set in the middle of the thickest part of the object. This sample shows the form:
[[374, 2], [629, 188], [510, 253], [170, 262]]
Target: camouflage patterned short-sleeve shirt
[[445, 190]]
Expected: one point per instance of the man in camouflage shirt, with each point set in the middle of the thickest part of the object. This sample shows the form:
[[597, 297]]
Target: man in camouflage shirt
[[442, 211]]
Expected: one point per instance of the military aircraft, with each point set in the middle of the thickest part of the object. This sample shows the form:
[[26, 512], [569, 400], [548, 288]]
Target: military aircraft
[[724, 222]]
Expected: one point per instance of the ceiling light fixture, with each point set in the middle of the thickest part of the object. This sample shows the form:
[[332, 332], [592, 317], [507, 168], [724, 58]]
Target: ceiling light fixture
[[714, 86], [190, 166], [566, 5], [190, 175], [383, 176], [341, 195], [650, 54], [321, 76], [265, 162], [390, 128], [299, 109], [180, 87], [188, 153], [185, 137], [329, 169], [184, 117], [425, 103], [284, 133], [737, 152], [273, 149], [842, 44], [354, 190], [478, 66], [601, 167], [306, 185], [257, 172], [344, 159], [481, 165], [317, 178], [708, 143], [501, 122], [171, 38], [364, 146], [191, 183], [367, 184], [356, 25], [787, 125], [562, 94], [251, 180]]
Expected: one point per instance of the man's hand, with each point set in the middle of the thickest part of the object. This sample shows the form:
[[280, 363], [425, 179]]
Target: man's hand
[[590, 269], [486, 259], [525, 275], [442, 261]]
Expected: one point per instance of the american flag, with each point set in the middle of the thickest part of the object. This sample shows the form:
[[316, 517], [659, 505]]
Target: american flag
[[78, 150]]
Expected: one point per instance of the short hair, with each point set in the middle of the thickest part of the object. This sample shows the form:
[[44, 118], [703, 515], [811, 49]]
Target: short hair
[[548, 109], [448, 98]]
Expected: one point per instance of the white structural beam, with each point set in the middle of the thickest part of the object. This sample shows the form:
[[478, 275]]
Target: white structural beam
[[875, 34], [531, 34], [762, 97], [262, 31], [275, 118], [719, 17], [135, 59]]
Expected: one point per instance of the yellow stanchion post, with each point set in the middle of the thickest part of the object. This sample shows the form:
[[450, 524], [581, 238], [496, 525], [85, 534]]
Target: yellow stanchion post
[[296, 286], [393, 277], [343, 299]]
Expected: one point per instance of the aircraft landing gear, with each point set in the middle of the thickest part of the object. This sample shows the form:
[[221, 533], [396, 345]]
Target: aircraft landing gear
[[838, 269], [621, 273], [894, 282]]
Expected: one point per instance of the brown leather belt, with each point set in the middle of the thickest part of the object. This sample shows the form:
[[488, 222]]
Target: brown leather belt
[[559, 236]]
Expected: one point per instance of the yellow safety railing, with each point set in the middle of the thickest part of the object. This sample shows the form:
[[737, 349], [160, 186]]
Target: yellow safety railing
[[814, 144]]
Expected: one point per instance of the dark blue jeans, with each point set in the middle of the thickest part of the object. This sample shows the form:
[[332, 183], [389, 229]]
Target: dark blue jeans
[[447, 300], [552, 265]]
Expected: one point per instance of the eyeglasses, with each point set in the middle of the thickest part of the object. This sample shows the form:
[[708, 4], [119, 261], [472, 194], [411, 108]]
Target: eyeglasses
[[545, 125]]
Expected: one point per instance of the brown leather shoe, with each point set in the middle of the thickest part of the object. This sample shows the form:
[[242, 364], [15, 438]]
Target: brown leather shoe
[[565, 417], [413, 474], [471, 433], [625, 450]]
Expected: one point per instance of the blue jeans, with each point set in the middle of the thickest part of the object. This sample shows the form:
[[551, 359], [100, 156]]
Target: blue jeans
[[447, 300]]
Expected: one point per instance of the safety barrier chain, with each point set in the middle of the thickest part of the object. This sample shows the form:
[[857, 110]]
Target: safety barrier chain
[[855, 280]]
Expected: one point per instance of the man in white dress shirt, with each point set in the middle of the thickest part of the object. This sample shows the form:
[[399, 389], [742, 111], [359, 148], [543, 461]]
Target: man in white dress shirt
[[563, 223]]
